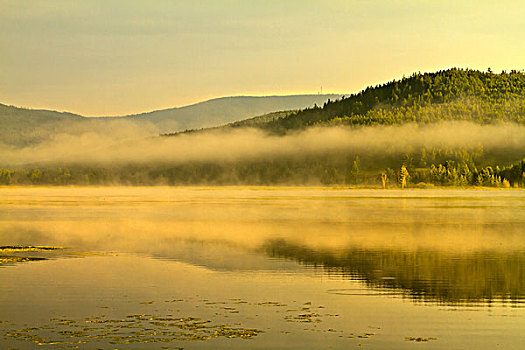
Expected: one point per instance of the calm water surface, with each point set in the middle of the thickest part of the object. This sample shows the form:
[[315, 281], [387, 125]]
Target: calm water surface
[[260, 268]]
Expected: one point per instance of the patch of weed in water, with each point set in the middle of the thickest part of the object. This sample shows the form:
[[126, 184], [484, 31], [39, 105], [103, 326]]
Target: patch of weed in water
[[366, 335], [169, 331], [238, 301], [139, 328], [27, 248], [305, 315], [271, 303], [14, 257], [7, 260], [419, 339]]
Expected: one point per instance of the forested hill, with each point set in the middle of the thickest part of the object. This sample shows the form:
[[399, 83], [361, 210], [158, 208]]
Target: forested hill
[[453, 94]]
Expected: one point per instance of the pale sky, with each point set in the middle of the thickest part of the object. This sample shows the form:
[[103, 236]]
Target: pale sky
[[115, 57]]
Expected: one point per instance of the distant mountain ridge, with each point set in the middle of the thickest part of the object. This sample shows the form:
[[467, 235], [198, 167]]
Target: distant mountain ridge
[[228, 109], [22, 126]]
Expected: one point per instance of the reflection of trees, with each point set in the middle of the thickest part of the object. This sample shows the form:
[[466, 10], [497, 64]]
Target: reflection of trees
[[429, 276]]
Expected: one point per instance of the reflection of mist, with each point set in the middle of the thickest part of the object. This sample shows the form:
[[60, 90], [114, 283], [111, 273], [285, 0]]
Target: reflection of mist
[[220, 255], [441, 245], [243, 144], [429, 276]]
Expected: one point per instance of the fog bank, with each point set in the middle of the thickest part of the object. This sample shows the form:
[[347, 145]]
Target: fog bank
[[252, 144]]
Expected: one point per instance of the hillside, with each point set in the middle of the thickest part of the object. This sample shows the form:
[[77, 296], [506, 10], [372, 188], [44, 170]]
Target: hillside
[[453, 94], [19, 125], [22, 127], [448, 95]]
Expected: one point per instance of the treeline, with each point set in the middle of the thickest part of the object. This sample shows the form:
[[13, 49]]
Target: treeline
[[454, 174], [434, 167]]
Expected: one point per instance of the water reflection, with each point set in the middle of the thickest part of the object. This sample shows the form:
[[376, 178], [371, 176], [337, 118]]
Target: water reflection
[[297, 264], [444, 246], [426, 276]]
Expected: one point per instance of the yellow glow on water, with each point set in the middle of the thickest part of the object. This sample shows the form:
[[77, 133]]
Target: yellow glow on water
[[309, 267]]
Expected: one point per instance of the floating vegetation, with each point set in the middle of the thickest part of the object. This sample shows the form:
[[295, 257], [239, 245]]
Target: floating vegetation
[[140, 328], [5, 260], [17, 253], [169, 331], [14, 249], [271, 303], [27, 248], [305, 315], [238, 301], [419, 339], [366, 335]]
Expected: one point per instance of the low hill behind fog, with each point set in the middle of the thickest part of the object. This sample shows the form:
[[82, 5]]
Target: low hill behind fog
[[22, 127]]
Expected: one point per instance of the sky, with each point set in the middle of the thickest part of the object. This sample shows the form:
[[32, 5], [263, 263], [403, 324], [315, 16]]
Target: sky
[[117, 57]]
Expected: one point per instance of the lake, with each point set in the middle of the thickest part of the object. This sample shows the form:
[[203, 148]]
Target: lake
[[261, 268]]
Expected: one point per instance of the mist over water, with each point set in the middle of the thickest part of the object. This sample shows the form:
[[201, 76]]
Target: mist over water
[[132, 145]]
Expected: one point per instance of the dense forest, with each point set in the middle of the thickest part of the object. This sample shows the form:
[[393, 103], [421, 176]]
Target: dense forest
[[454, 94], [482, 98]]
